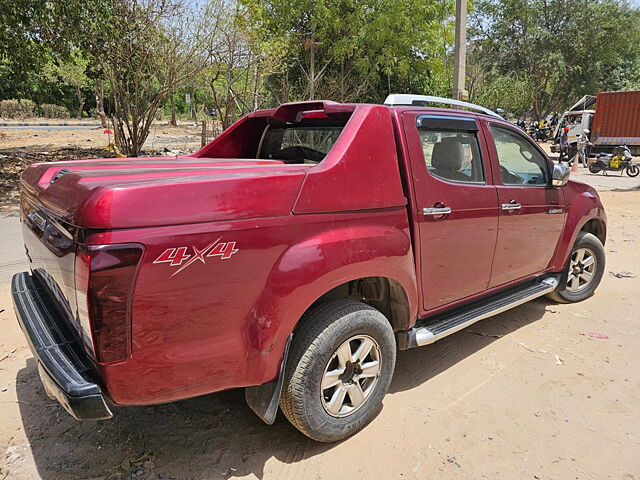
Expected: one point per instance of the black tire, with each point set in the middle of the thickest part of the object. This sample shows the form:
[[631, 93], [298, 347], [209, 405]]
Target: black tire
[[315, 344], [563, 294], [633, 170], [593, 168]]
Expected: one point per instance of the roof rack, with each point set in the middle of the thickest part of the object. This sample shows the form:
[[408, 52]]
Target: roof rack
[[419, 100]]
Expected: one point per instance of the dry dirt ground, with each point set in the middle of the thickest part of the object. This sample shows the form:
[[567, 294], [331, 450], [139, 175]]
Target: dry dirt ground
[[528, 394], [22, 146]]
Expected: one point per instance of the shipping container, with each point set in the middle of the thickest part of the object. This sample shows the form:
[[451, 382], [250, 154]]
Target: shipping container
[[617, 119]]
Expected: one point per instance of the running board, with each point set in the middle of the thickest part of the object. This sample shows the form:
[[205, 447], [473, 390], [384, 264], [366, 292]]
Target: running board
[[433, 329]]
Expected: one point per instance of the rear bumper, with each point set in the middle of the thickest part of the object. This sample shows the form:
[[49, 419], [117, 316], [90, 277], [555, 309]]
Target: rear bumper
[[64, 369]]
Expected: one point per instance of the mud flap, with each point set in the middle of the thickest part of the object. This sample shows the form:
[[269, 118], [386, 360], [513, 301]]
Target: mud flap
[[264, 399]]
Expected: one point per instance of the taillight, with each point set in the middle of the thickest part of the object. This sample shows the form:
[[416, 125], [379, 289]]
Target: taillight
[[105, 276], [311, 114]]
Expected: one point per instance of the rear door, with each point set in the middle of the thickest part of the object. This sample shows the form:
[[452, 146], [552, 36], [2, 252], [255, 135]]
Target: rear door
[[532, 212], [455, 206]]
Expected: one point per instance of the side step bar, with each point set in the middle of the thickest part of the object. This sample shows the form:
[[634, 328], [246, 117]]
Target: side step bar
[[433, 329]]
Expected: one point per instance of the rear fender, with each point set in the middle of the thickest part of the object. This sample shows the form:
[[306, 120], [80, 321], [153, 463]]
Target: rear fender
[[309, 269]]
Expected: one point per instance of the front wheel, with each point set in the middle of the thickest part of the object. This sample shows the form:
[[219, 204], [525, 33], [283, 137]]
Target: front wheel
[[633, 170], [339, 369], [583, 272]]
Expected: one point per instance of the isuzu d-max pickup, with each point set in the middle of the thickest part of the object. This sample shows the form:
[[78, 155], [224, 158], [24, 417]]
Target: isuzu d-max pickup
[[293, 256]]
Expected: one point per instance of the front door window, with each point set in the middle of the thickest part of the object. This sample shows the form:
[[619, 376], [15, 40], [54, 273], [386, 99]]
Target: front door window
[[520, 162]]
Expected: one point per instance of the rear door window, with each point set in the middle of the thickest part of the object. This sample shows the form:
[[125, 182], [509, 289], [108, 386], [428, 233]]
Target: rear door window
[[450, 148]]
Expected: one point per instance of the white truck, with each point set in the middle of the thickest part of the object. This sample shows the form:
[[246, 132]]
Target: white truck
[[578, 118]]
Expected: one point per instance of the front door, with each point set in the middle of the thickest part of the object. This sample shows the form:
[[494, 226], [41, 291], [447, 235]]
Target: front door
[[532, 212], [455, 206]]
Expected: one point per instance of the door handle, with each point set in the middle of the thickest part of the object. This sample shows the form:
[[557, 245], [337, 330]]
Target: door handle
[[511, 206], [436, 211]]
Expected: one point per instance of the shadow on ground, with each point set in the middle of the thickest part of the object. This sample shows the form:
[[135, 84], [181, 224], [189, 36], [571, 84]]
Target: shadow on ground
[[214, 436]]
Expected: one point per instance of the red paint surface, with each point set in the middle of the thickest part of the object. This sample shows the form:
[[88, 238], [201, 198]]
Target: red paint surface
[[299, 231], [617, 116]]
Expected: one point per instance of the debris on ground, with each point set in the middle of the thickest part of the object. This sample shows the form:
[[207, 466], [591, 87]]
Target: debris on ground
[[622, 274], [452, 459], [482, 334], [597, 335], [558, 359], [14, 162]]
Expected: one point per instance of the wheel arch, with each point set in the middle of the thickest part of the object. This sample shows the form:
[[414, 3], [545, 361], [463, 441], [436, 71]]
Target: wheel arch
[[382, 293], [597, 227], [585, 213]]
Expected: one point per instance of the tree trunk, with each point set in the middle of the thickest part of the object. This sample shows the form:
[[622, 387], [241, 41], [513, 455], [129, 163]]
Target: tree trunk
[[80, 102], [173, 110], [256, 78], [537, 108], [312, 72], [100, 103]]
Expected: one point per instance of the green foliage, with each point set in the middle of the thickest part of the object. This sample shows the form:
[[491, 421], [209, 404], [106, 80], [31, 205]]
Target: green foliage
[[558, 50], [507, 92], [350, 50], [72, 71], [234, 56]]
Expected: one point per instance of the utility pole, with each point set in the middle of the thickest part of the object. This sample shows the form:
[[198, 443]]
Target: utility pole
[[460, 53]]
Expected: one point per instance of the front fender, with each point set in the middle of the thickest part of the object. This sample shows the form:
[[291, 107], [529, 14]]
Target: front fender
[[318, 263], [583, 205]]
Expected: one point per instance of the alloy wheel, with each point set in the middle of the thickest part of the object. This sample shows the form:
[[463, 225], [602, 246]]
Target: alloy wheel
[[582, 267], [350, 376]]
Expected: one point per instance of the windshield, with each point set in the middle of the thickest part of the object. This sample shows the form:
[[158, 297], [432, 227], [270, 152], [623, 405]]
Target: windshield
[[299, 144]]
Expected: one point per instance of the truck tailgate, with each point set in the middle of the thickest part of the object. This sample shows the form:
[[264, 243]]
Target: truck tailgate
[[50, 248]]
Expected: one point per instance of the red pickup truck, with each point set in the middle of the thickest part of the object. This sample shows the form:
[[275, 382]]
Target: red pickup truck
[[293, 256]]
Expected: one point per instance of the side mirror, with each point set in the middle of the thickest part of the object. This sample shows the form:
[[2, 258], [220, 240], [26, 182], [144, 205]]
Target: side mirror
[[560, 175]]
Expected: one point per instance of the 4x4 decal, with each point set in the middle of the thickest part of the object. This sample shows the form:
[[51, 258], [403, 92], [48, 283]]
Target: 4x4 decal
[[178, 257]]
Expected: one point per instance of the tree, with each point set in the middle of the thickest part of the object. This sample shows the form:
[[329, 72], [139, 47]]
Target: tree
[[353, 50], [149, 49], [558, 50], [72, 72]]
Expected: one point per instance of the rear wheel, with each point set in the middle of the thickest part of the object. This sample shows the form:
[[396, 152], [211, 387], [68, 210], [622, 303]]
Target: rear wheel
[[583, 272], [593, 168], [633, 170], [339, 369]]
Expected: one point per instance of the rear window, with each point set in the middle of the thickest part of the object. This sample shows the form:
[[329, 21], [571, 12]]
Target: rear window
[[299, 143]]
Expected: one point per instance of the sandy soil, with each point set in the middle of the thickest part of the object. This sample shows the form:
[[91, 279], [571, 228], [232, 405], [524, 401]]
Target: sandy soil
[[528, 394]]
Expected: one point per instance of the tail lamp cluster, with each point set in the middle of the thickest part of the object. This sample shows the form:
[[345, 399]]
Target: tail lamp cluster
[[104, 277]]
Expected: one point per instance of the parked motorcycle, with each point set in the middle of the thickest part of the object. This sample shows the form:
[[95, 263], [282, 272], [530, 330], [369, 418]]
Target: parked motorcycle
[[620, 161], [539, 131]]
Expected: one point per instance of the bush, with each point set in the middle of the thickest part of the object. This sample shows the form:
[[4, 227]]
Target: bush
[[26, 108], [17, 108], [9, 108], [54, 111]]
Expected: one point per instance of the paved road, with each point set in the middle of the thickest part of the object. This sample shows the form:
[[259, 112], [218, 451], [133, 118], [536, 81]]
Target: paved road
[[610, 182], [50, 127]]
